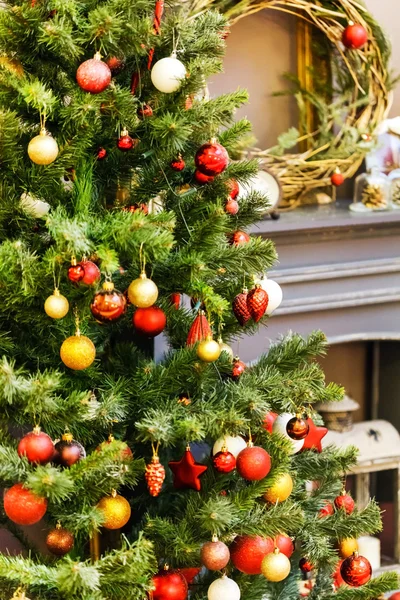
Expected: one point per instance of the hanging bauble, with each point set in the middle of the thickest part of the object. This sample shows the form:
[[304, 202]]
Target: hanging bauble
[[275, 566], [91, 272], [178, 164], [233, 188], [253, 463], [167, 74], [232, 207], [248, 551], [169, 585], [224, 461], [123, 453], [34, 207], [327, 510], [56, 305], [199, 330], [125, 142], [285, 544], [347, 547], [59, 541], [101, 154], [305, 565], [155, 475], [355, 36], [94, 75], [257, 302], [225, 348], [238, 369], [240, 309], [211, 158], [345, 502], [43, 148], [77, 352], [37, 446], [280, 490], [190, 573], [187, 471], [223, 589], [202, 179], [337, 178], [269, 421], [115, 64], [214, 555], [108, 305], [68, 451], [208, 350], [356, 570], [297, 428], [142, 292], [279, 426], [116, 511], [274, 292], [238, 238], [23, 506], [76, 272], [234, 445], [150, 321], [145, 111]]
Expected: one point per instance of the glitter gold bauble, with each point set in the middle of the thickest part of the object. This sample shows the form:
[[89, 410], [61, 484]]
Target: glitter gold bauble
[[116, 511], [43, 148], [225, 348], [348, 547], [275, 566], [281, 489], [214, 555], [59, 540], [78, 352], [56, 305], [143, 292], [208, 350]]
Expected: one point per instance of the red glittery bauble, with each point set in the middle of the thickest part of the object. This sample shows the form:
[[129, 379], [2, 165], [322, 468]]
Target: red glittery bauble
[[68, 451], [214, 555], [125, 142], [91, 272], [93, 76], [101, 153], [145, 111], [211, 159], [297, 428], [257, 302], [115, 64], [224, 461], [253, 463], [232, 207], [37, 447], [356, 570], [203, 179], [169, 585], [149, 321], [305, 565], [239, 307], [233, 187], [76, 273], [285, 544], [248, 551], [327, 510], [354, 36], [269, 421], [345, 502], [337, 179], [238, 369], [239, 237], [23, 506], [108, 304], [178, 164]]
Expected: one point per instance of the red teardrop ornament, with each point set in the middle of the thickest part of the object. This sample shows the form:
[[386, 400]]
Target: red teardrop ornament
[[257, 302]]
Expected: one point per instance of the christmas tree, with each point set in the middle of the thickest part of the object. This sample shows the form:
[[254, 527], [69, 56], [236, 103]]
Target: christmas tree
[[117, 173]]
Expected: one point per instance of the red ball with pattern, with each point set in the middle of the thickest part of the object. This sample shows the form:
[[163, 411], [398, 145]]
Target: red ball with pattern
[[356, 570], [224, 462], [211, 159], [345, 502]]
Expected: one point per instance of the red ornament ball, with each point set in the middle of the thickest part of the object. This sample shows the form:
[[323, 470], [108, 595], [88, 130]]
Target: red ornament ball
[[395, 596], [238, 369], [93, 75], [297, 428], [214, 555], [68, 451], [76, 272], [233, 187], [327, 510], [356, 570], [355, 36], [108, 304], [248, 551], [345, 502], [224, 461], [269, 421], [232, 207], [101, 153], [125, 142], [190, 573], [337, 179], [305, 565], [37, 446], [253, 463], [169, 585], [211, 158], [145, 111], [23, 506], [149, 321], [115, 64], [285, 544], [238, 238], [178, 164], [91, 272], [203, 179]]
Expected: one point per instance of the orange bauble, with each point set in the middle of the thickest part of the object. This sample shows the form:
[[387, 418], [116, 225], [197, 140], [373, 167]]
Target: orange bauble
[[116, 511], [23, 506]]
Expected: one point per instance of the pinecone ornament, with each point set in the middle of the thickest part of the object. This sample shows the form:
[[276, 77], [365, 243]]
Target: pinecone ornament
[[240, 309], [155, 475], [199, 330], [257, 302], [373, 196]]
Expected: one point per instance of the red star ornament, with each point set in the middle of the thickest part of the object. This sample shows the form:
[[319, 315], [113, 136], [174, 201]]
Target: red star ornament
[[187, 471], [314, 437]]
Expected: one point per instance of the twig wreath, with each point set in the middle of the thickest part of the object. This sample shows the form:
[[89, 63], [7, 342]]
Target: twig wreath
[[359, 86]]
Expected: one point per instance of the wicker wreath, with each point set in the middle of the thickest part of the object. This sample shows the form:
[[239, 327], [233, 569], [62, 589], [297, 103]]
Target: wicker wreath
[[361, 97]]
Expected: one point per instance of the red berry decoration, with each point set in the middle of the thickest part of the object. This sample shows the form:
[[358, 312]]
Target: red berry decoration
[[23, 506], [68, 451], [253, 463], [345, 502], [94, 75], [178, 164], [240, 309], [37, 447], [150, 321], [155, 475], [257, 302], [232, 207], [214, 555], [200, 330], [108, 304], [169, 585], [211, 158], [233, 187], [76, 272], [238, 238], [115, 64], [224, 461], [337, 178], [91, 272], [305, 565], [356, 570], [327, 510], [125, 142], [238, 369], [297, 428], [355, 36], [145, 111], [248, 551], [101, 153], [203, 179]]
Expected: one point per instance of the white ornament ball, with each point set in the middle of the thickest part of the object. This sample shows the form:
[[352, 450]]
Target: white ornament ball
[[274, 292], [234, 444], [279, 426], [34, 206], [224, 589], [167, 74]]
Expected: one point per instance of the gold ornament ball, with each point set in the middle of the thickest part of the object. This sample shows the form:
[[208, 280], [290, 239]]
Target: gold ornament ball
[[281, 489], [226, 348], [208, 350], [78, 352], [143, 292], [275, 566], [12, 65], [56, 305], [116, 510], [347, 547], [43, 149]]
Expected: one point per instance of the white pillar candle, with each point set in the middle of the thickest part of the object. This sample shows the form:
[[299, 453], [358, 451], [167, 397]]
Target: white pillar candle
[[370, 547]]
